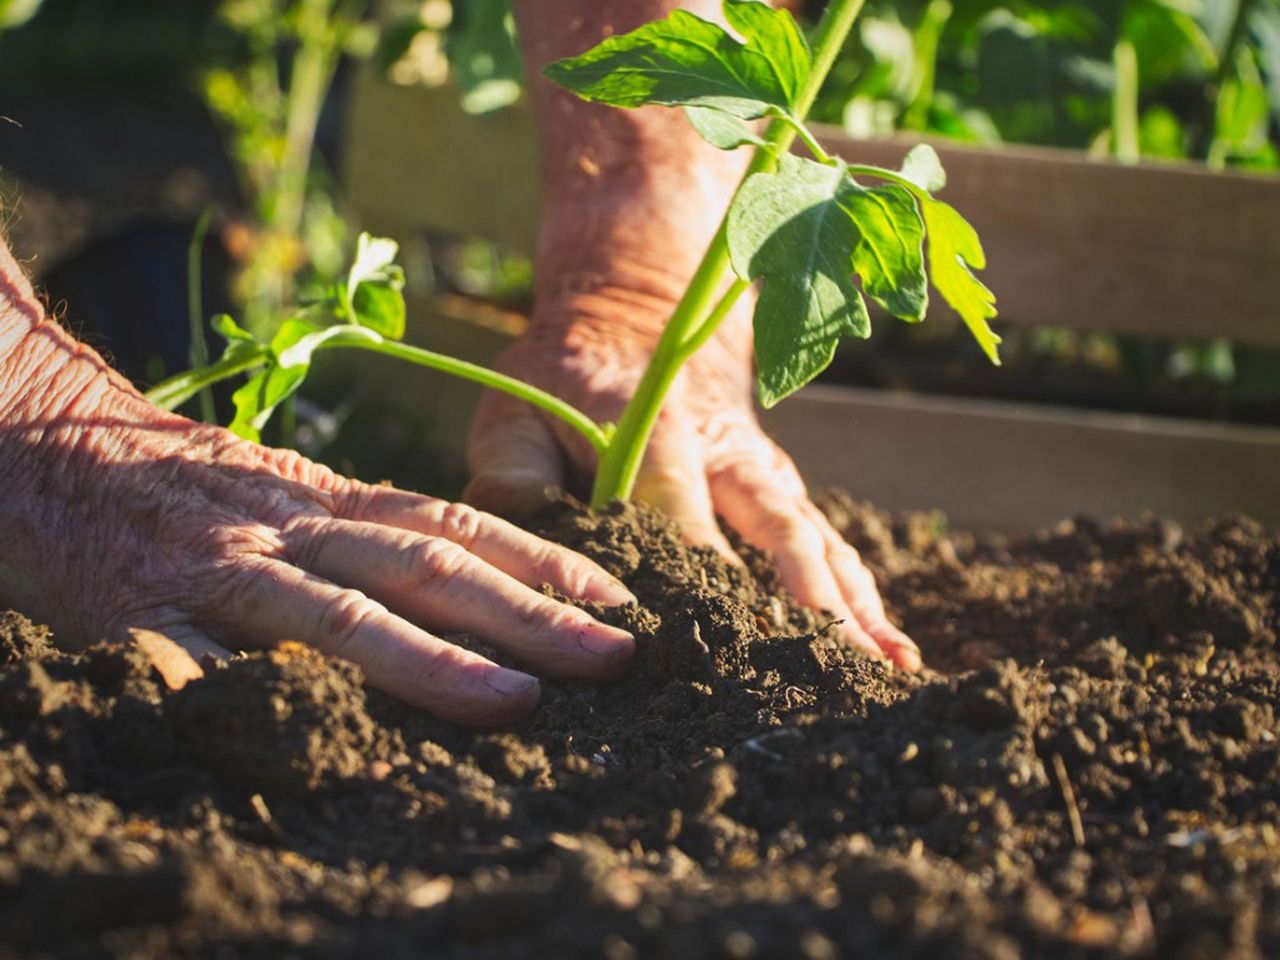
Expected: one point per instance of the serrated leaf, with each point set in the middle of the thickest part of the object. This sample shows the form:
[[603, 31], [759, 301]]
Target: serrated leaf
[[954, 252], [923, 167], [889, 255], [685, 61], [791, 229], [721, 130]]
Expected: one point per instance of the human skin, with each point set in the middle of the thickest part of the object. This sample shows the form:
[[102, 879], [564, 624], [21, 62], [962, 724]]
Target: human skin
[[116, 516], [631, 199]]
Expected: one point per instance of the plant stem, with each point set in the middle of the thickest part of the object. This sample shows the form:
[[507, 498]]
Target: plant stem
[[810, 141], [696, 317], [174, 392], [594, 433], [198, 348], [928, 37], [1124, 100], [308, 82]]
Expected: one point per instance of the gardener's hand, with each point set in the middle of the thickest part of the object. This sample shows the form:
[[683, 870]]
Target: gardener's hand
[[708, 455], [631, 199], [115, 516]]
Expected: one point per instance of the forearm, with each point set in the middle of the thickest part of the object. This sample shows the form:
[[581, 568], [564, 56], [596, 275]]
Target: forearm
[[43, 369], [631, 197]]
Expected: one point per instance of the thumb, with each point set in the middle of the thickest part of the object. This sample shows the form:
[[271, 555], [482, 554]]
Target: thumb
[[514, 459], [674, 479]]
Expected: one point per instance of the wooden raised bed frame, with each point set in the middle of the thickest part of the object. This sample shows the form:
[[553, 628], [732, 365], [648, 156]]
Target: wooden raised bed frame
[[1171, 251]]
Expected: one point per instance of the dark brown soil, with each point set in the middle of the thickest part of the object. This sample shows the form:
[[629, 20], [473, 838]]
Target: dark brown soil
[[1097, 775]]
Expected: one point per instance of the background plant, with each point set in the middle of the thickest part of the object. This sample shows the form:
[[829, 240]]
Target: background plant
[[803, 227]]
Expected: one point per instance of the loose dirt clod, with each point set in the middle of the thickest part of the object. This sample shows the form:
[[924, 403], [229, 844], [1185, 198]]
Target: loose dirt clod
[[1097, 774]]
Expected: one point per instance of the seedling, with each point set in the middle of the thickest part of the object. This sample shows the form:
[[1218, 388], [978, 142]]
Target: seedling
[[802, 226]]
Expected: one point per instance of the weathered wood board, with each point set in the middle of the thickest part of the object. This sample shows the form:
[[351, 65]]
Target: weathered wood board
[[1165, 251], [998, 465]]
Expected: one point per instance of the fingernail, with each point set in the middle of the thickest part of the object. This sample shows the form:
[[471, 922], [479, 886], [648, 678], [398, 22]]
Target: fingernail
[[610, 591], [909, 659], [509, 683], [605, 641]]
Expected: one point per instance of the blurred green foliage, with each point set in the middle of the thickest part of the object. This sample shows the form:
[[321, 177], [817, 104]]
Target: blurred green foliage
[[1134, 79]]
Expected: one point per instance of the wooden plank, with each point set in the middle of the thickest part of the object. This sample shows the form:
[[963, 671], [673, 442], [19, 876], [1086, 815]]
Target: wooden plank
[[413, 160], [997, 465], [1168, 250]]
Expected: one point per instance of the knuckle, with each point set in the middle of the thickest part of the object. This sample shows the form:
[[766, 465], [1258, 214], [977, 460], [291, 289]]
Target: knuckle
[[460, 523], [783, 526], [434, 560], [343, 619]]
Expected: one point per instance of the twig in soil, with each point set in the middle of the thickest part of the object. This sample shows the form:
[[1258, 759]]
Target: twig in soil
[[1069, 797]]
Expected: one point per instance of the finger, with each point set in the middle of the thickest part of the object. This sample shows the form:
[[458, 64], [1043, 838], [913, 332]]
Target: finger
[[431, 580], [858, 587], [529, 559], [514, 458], [763, 506], [176, 653], [276, 602], [674, 479]]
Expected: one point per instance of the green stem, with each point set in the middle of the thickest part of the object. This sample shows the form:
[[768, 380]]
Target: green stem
[[928, 37], [1124, 102], [692, 320], [597, 435], [308, 82], [809, 140], [174, 392], [177, 390], [198, 349]]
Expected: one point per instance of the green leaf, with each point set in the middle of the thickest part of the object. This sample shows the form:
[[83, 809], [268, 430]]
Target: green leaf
[[774, 35], [954, 251], [484, 59], [923, 167], [224, 326], [721, 130], [889, 256], [685, 61], [14, 13], [792, 229], [374, 287], [291, 351]]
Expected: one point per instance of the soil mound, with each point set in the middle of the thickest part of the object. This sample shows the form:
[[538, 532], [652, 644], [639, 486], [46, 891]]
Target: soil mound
[[1090, 769]]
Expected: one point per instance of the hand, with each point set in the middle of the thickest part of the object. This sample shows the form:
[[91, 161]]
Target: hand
[[118, 516], [708, 454]]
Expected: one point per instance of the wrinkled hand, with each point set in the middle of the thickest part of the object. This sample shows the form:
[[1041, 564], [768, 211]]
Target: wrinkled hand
[[708, 454], [124, 517]]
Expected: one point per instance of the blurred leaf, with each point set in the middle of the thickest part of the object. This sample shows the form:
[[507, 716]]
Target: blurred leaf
[[1160, 134], [1264, 23], [14, 13], [483, 56]]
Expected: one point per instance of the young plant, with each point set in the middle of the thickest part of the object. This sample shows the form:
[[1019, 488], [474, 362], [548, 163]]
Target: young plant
[[803, 227]]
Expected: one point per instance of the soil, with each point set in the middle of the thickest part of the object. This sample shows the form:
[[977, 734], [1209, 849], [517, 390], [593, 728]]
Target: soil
[[1092, 771]]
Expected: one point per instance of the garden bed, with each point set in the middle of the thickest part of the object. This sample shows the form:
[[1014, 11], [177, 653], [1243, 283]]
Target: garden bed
[[1095, 773]]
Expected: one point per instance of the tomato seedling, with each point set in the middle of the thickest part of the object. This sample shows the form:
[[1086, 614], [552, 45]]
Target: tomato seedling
[[804, 227]]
